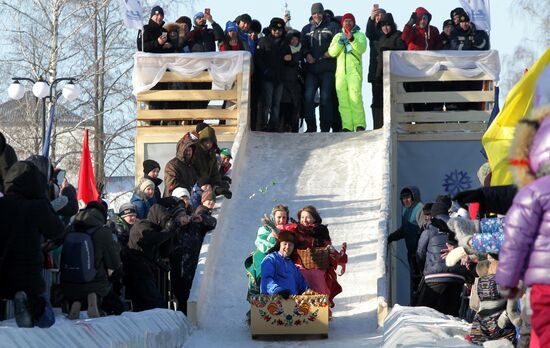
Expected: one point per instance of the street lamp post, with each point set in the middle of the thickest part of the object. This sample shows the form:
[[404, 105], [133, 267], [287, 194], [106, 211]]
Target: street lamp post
[[41, 89]]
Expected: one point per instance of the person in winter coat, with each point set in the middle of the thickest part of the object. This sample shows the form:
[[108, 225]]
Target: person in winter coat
[[141, 261], [7, 159], [491, 199], [279, 274], [243, 22], [320, 68], [154, 37], [178, 36], [204, 160], [179, 172], [418, 34], [311, 233], [446, 33], [231, 41], [272, 53], [390, 40], [124, 220], [144, 197], [21, 258], [187, 245], [374, 33], [202, 38], [106, 259], [466, 37], [348, 47], [525, 253], [151, 169], [291, 102], [442, 284]]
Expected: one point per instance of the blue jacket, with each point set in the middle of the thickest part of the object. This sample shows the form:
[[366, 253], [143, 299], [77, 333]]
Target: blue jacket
[[428, 256], [279, 273], [411, 220], [142, 205]]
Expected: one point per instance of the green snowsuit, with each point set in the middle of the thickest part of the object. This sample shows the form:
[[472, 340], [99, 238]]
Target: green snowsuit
[[349, 77]]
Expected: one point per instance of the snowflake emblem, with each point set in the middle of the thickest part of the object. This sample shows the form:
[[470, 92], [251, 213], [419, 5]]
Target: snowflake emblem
[[457, 181]]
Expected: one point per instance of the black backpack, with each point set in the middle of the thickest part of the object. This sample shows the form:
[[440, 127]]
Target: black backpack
[[77, 257]]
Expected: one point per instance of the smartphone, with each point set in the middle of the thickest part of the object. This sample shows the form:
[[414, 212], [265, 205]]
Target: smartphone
[[375, 6], [164, 34], [60, 177], [207, 11]]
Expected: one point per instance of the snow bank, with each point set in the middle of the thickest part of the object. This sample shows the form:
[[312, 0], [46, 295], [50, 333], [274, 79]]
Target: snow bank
[[423, 327], [153, 328]]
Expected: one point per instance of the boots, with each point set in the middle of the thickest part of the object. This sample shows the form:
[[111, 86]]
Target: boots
[[74, 312], [23, 316], [93, 309]]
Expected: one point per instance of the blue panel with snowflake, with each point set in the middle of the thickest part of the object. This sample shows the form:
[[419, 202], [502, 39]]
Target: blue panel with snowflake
[[457, 181]]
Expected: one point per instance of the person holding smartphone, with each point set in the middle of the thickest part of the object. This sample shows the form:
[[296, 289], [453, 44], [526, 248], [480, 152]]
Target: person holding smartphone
[[202, 38], [154, 37]]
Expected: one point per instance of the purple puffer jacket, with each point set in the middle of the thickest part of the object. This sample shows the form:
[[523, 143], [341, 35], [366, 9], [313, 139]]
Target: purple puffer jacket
[[525, 253]]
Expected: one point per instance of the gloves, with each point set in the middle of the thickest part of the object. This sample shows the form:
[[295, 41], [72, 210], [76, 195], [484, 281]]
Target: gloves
[[343, 40], [412, 20], [284, 294], [469, 196], [218, 191]]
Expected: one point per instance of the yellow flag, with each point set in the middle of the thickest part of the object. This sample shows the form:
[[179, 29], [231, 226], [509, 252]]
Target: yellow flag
[[498, 137]]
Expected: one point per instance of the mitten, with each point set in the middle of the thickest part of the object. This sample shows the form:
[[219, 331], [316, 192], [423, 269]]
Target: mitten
[[284, 294], [412, 20]]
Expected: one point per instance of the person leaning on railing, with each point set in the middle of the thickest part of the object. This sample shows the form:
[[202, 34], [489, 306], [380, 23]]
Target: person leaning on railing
[[154, 38]]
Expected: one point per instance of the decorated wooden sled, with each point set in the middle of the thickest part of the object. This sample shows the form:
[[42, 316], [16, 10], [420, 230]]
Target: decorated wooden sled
[[306, 314]]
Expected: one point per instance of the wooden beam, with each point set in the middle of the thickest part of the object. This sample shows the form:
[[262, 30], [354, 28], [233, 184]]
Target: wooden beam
[[443, 127], [449, 116], [449, 136], [187, 95], [445, 97], [187, 114], [164, 133], [170, 76]]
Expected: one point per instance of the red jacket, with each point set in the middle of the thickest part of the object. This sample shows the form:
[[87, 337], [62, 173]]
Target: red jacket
[[421, 39]]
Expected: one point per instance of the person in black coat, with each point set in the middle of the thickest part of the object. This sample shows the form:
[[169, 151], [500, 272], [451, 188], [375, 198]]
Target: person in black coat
[[154, 38], [466, 37], [271, 54], [141, 261], [390, 40], [373, 33], [151, 169], [446, 33], [491, 199], [26, 220], [291, 103], [202, 38]]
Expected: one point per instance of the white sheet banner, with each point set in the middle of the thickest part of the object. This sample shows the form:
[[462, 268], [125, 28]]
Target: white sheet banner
[[132, 13], [479, 13], [428, 63], [222, 66]]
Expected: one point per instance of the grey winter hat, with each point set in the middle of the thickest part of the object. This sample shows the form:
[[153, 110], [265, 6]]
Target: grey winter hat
[[126, 209], [317, 8]]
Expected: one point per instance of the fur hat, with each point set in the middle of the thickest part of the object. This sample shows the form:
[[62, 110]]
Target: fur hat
[[276, 23], [149, 165], [245, 17], [463, 18], [455, 256], [180, 192], [208, 196], [464, 229], [126, 209], [255, 26], [317, 8]]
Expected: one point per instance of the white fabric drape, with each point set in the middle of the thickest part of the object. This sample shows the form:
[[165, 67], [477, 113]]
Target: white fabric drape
[[223, 67], [428, 63]]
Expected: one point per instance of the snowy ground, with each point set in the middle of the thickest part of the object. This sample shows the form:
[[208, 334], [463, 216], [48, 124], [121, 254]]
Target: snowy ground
[[341, 174]]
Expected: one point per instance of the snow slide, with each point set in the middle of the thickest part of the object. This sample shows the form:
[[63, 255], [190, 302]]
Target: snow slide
[[346, 176]]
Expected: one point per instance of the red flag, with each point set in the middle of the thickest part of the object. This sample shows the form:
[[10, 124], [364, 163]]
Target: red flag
[[87, 190]]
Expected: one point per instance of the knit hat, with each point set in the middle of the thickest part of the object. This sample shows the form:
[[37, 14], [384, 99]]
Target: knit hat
[[208, 196], [448, 22], [457, 12], [286, 236], [100, 206], [180, 192], [439, 208], [317, 8], [445, 199], [157, 10], [483, 172], [126, 209], [427, 208], [277, 23], [149, 165], [226, 152], [201, 126], [347, 16], [145, 183], [229, 27], [198, 15]]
